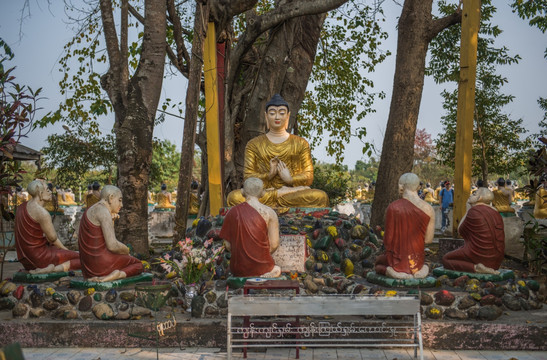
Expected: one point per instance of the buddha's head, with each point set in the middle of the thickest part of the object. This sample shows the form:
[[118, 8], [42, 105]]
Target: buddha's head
[[253, 187], [481, 196], [39, 190], [112, 197], [277, 113], [408, 181]]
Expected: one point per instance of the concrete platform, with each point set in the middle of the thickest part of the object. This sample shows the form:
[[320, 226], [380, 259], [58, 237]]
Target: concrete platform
[[517, 331], [308, 354]]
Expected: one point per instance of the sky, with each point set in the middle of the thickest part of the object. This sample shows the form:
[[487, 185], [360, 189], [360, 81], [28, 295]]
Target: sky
[[39, 42]]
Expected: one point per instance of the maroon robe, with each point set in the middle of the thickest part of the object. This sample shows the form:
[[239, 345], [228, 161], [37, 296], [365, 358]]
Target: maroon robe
[[482, 230], [247, 232], [404, 238], [96, 259], [34, 251]]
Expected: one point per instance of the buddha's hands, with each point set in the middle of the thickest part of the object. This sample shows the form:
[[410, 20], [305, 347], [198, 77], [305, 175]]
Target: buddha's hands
[[273, 167], [284, 173]]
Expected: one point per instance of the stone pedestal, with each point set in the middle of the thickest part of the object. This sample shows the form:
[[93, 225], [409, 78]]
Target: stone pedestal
[[513, 227], [160, 226]]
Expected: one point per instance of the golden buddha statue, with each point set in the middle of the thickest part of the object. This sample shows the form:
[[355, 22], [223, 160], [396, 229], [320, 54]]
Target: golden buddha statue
[[51, 204], [70, 198], [151, 197], [429, 194], [540, 206], [282, 161], [502, 198], [94, 196], [61, 199], [164, 199], [359, 193]]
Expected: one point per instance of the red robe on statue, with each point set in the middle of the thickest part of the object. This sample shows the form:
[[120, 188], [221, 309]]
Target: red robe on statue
[[404, 238], [96, 259], [482, 230], [34, 251], [247, 232]]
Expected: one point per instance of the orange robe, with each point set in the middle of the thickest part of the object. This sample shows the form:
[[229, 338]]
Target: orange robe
[[404, 238], [34, 251], [247, 232], [484, 237], [96, 259], [91, 199]]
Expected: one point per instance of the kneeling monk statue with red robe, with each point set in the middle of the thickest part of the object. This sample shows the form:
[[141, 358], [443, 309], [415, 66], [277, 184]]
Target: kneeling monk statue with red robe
[[251, 234], [410, 224], [38, 248], [482, 230], [103, 257]]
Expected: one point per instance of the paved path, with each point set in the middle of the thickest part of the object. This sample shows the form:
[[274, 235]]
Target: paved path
[[274, 354]]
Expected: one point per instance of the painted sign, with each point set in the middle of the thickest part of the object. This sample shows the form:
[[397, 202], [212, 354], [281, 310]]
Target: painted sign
[[291, 253]]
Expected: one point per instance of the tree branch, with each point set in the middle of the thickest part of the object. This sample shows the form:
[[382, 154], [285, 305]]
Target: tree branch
[[271, 19], [439, 25], [111, 36], [177, 35]]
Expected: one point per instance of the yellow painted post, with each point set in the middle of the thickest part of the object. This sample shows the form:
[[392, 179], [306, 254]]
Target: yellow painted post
[[211, 118], [466, 108]]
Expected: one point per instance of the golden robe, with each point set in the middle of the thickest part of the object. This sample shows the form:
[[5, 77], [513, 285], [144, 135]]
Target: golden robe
[[69, 198], [91, 199], [295, 153], [540, 206], [163, 202], [501, 202], [429, 197]]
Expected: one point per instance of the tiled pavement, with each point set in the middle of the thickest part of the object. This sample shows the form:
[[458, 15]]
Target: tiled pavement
[[274, 354]]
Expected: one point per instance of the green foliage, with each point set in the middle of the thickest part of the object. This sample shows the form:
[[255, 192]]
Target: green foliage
[[426, 165], [364, 172], [332, 179], [339, 92], [79, 155], [17, 111], [533, 10], [165, 164], [497, 147]]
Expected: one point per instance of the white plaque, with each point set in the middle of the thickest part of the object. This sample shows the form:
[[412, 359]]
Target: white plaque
[[291, 253]]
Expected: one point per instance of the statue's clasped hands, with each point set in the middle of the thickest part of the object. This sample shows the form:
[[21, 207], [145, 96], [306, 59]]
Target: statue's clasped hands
[[278, 167]]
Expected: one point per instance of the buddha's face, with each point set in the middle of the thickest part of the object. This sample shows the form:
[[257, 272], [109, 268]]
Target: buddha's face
[[277, 117]]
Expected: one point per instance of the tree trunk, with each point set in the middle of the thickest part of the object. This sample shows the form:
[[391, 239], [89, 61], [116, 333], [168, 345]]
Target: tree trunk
[[135, 102], [190, 120], [416, 29], [283, 65]]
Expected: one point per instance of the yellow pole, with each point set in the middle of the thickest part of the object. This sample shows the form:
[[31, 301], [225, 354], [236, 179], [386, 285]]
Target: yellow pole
[[466, 108], [211, 118]]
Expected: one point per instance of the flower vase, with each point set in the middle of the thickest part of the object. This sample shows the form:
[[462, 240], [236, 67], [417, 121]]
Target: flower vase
[[191, 291]]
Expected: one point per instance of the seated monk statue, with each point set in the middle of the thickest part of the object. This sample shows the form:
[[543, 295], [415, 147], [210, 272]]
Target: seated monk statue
[[410, 224], [38, 248], [540, 206], [194, 200], [368, 196], [103, 257], [429, 194], [94, 196], [503, 198], [164, 199], [282, 161], [482, 230], [251, 234]]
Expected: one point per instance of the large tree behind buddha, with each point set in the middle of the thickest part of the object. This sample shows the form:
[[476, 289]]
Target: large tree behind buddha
[[416, 29]]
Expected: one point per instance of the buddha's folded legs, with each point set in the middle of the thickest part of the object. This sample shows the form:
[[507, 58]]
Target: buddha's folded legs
[[304, 198]]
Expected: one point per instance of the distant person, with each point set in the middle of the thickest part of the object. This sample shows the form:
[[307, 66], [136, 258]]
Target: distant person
[[446, 199]]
